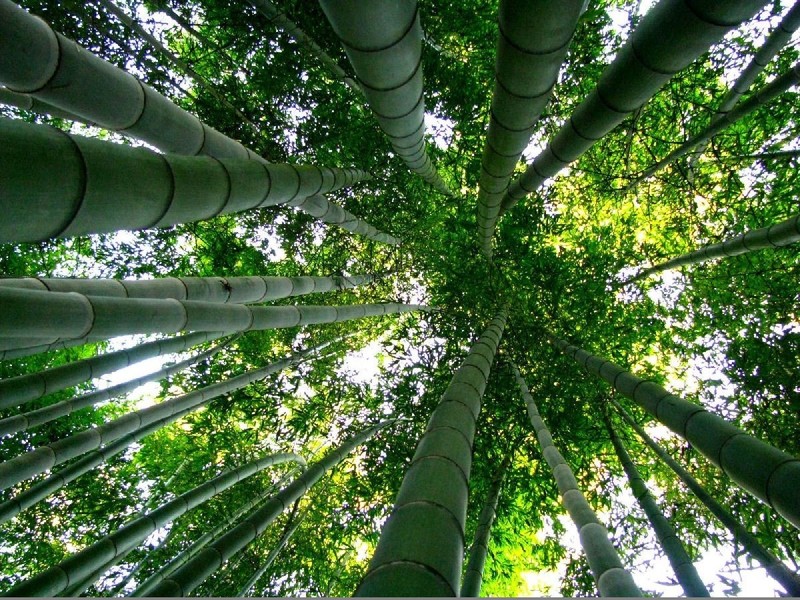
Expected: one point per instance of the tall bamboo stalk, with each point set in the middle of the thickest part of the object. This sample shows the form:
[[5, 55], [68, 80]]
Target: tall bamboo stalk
[[224, 290], [668, 39], [771, 563], [199, 543], [533, 41], [71, 315], [473, 573], [34, 418], [46, 457], [611, 578], [421, 548], [769, 474], [193, 573], [84, 563], [287, 535], [774, 236], [383, 40], [667, 537], [24, 388], [774, 43], [74, 185], [760, 98]]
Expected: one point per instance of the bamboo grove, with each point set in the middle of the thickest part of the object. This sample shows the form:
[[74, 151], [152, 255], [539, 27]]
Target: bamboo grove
[[402, 297]]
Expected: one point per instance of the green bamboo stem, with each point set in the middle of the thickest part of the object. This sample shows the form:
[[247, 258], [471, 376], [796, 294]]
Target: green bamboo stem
[[611, 578], [769, 474], [383, 40], [667, 537], [224, 290], [17, 350], [774, 236], [668, 39], [213, 556], [46, 457], [34, 418], [24, 388], [29, 103], [199, 543], [73, 315], [287, 535], [328, 212], [760, 98], [774, 43], [771, 563], [74, 185], [275, 16], [473, 574], [533, 41], [82, 564], [421, 548]]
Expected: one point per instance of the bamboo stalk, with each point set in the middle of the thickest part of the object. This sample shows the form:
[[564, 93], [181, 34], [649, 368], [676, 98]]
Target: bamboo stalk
[[611, 578], [421, 548]]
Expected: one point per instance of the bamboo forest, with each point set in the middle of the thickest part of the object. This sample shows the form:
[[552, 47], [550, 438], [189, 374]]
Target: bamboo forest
[[399, 298]]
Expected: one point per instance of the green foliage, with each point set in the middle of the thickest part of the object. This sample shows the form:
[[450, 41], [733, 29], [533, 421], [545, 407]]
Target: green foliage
[[723, 333]]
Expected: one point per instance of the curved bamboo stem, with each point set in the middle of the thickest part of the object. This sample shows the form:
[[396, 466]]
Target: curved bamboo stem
[[473, 573], [774, 43], [668, 39], [412, 560], [775, 236], [774, 567], [34, 418], [24, 388], [533, 41], [46, 457], [383, 40], [762, 97], [769, 474], [72, 315], [670, 543], [207, 561], [84, 563], [611, 578]]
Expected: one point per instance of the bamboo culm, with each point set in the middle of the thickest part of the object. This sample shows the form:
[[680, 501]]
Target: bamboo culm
[[409, 560], [223, 290], [287, 535], [774, 43], [199, 543], [668, 39], [24, 388], [670, 543], [762, 97], [771, 563], [71, 315], [75, 185], [775, 236], [46, 457], [473, 574], [34, 418], [611, 578], [769, 474], [383, 40], [78, 566], [533, 41], [215, 554]]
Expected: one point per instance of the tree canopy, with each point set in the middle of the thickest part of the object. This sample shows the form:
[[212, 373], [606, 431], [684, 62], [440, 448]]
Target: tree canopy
[[722, 333]]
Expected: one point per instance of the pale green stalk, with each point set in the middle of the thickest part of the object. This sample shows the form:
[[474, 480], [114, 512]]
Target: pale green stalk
[[769, 474], [611, 577], [218, 552], [421, 548], [670, 543]]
